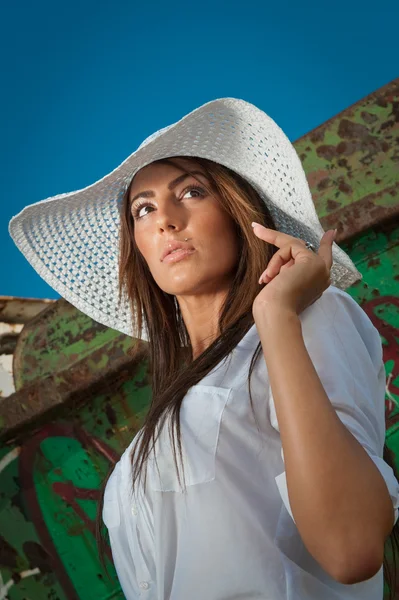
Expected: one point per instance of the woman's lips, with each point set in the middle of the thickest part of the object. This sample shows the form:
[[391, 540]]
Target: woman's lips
[[177, 255]]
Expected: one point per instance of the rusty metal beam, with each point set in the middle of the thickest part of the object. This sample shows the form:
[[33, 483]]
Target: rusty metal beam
[[352, 164], [21, 310], [37, 402]]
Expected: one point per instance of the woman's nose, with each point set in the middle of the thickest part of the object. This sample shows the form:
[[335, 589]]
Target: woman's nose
[[169, 215]]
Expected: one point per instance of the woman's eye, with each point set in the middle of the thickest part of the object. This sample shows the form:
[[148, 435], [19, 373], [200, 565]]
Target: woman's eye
[[197, 190], [137, 210]]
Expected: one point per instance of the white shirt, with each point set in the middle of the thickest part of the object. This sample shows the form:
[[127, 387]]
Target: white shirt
[[232, 536]]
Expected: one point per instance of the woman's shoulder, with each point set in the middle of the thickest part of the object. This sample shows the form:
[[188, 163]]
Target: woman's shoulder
[[333, 306], [337, 315], [335, 311]]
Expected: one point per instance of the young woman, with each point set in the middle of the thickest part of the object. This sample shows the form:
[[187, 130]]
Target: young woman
[[258, 472]]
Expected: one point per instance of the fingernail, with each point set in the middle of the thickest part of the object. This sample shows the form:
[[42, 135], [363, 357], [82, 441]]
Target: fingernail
[[253, 224], [334, 235]]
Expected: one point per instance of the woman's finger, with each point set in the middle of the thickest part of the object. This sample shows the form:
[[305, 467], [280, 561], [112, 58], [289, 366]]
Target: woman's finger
[[265, 278], [277, 238], [278, 260], [325, 249], [288, 264]]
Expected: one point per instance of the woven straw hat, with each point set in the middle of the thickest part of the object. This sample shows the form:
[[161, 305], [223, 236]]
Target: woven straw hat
[[71, 239]]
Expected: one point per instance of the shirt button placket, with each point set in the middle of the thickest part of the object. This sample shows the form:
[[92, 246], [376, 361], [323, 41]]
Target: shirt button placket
[[144, 585]]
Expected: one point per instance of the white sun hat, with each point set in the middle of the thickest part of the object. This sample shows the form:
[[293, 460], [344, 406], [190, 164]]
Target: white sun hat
[[71, 239]]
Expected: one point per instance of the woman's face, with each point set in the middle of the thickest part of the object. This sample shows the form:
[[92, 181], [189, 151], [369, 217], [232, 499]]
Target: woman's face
[[169, 205]]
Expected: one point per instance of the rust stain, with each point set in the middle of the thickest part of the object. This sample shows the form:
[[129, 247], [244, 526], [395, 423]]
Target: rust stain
[[352, 160]]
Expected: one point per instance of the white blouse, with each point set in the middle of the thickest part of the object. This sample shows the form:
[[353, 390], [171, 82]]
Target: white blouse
[[232, 535]]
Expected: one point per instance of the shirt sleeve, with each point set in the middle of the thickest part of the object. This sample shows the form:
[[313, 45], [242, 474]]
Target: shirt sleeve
[[346, 351]]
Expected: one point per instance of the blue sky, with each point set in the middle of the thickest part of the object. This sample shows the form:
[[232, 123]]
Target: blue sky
[[83, 83]]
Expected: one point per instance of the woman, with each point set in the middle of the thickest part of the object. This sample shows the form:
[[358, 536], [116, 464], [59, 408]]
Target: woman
[[274, 395]]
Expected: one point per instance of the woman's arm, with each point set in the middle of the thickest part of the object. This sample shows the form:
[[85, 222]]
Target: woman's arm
[[339, 500]]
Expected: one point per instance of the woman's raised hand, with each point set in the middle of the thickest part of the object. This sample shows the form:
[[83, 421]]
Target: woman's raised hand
[[295, 276]]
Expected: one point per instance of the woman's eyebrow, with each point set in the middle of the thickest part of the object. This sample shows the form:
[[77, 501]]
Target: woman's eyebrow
[[171, 185]]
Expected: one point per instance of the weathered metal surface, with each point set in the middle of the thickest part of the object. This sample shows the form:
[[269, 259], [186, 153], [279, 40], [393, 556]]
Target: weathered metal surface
[[21, 310], [61, 336], [49, 489], [352, 164], [14, 313], [69, 425], [62, 357], [376, 255], [50, 476], [36, 403], [9, 333]]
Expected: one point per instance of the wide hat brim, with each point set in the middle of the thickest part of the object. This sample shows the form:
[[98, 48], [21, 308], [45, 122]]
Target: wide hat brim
[[71, 239]]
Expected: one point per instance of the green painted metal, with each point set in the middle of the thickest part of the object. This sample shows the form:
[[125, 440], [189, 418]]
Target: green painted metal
[[71, 336], [62, 358], [376, 255], [58, 449], [49, 493], [351, 163], [50, 476]]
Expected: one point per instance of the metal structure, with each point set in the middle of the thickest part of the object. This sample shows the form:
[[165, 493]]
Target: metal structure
[[14, 314], [80, 397]]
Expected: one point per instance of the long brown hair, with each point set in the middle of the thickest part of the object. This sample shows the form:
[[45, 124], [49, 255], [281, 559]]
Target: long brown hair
[[171, 366]]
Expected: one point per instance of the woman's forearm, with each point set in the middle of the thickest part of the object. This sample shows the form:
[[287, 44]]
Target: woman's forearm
[[338, 497]]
